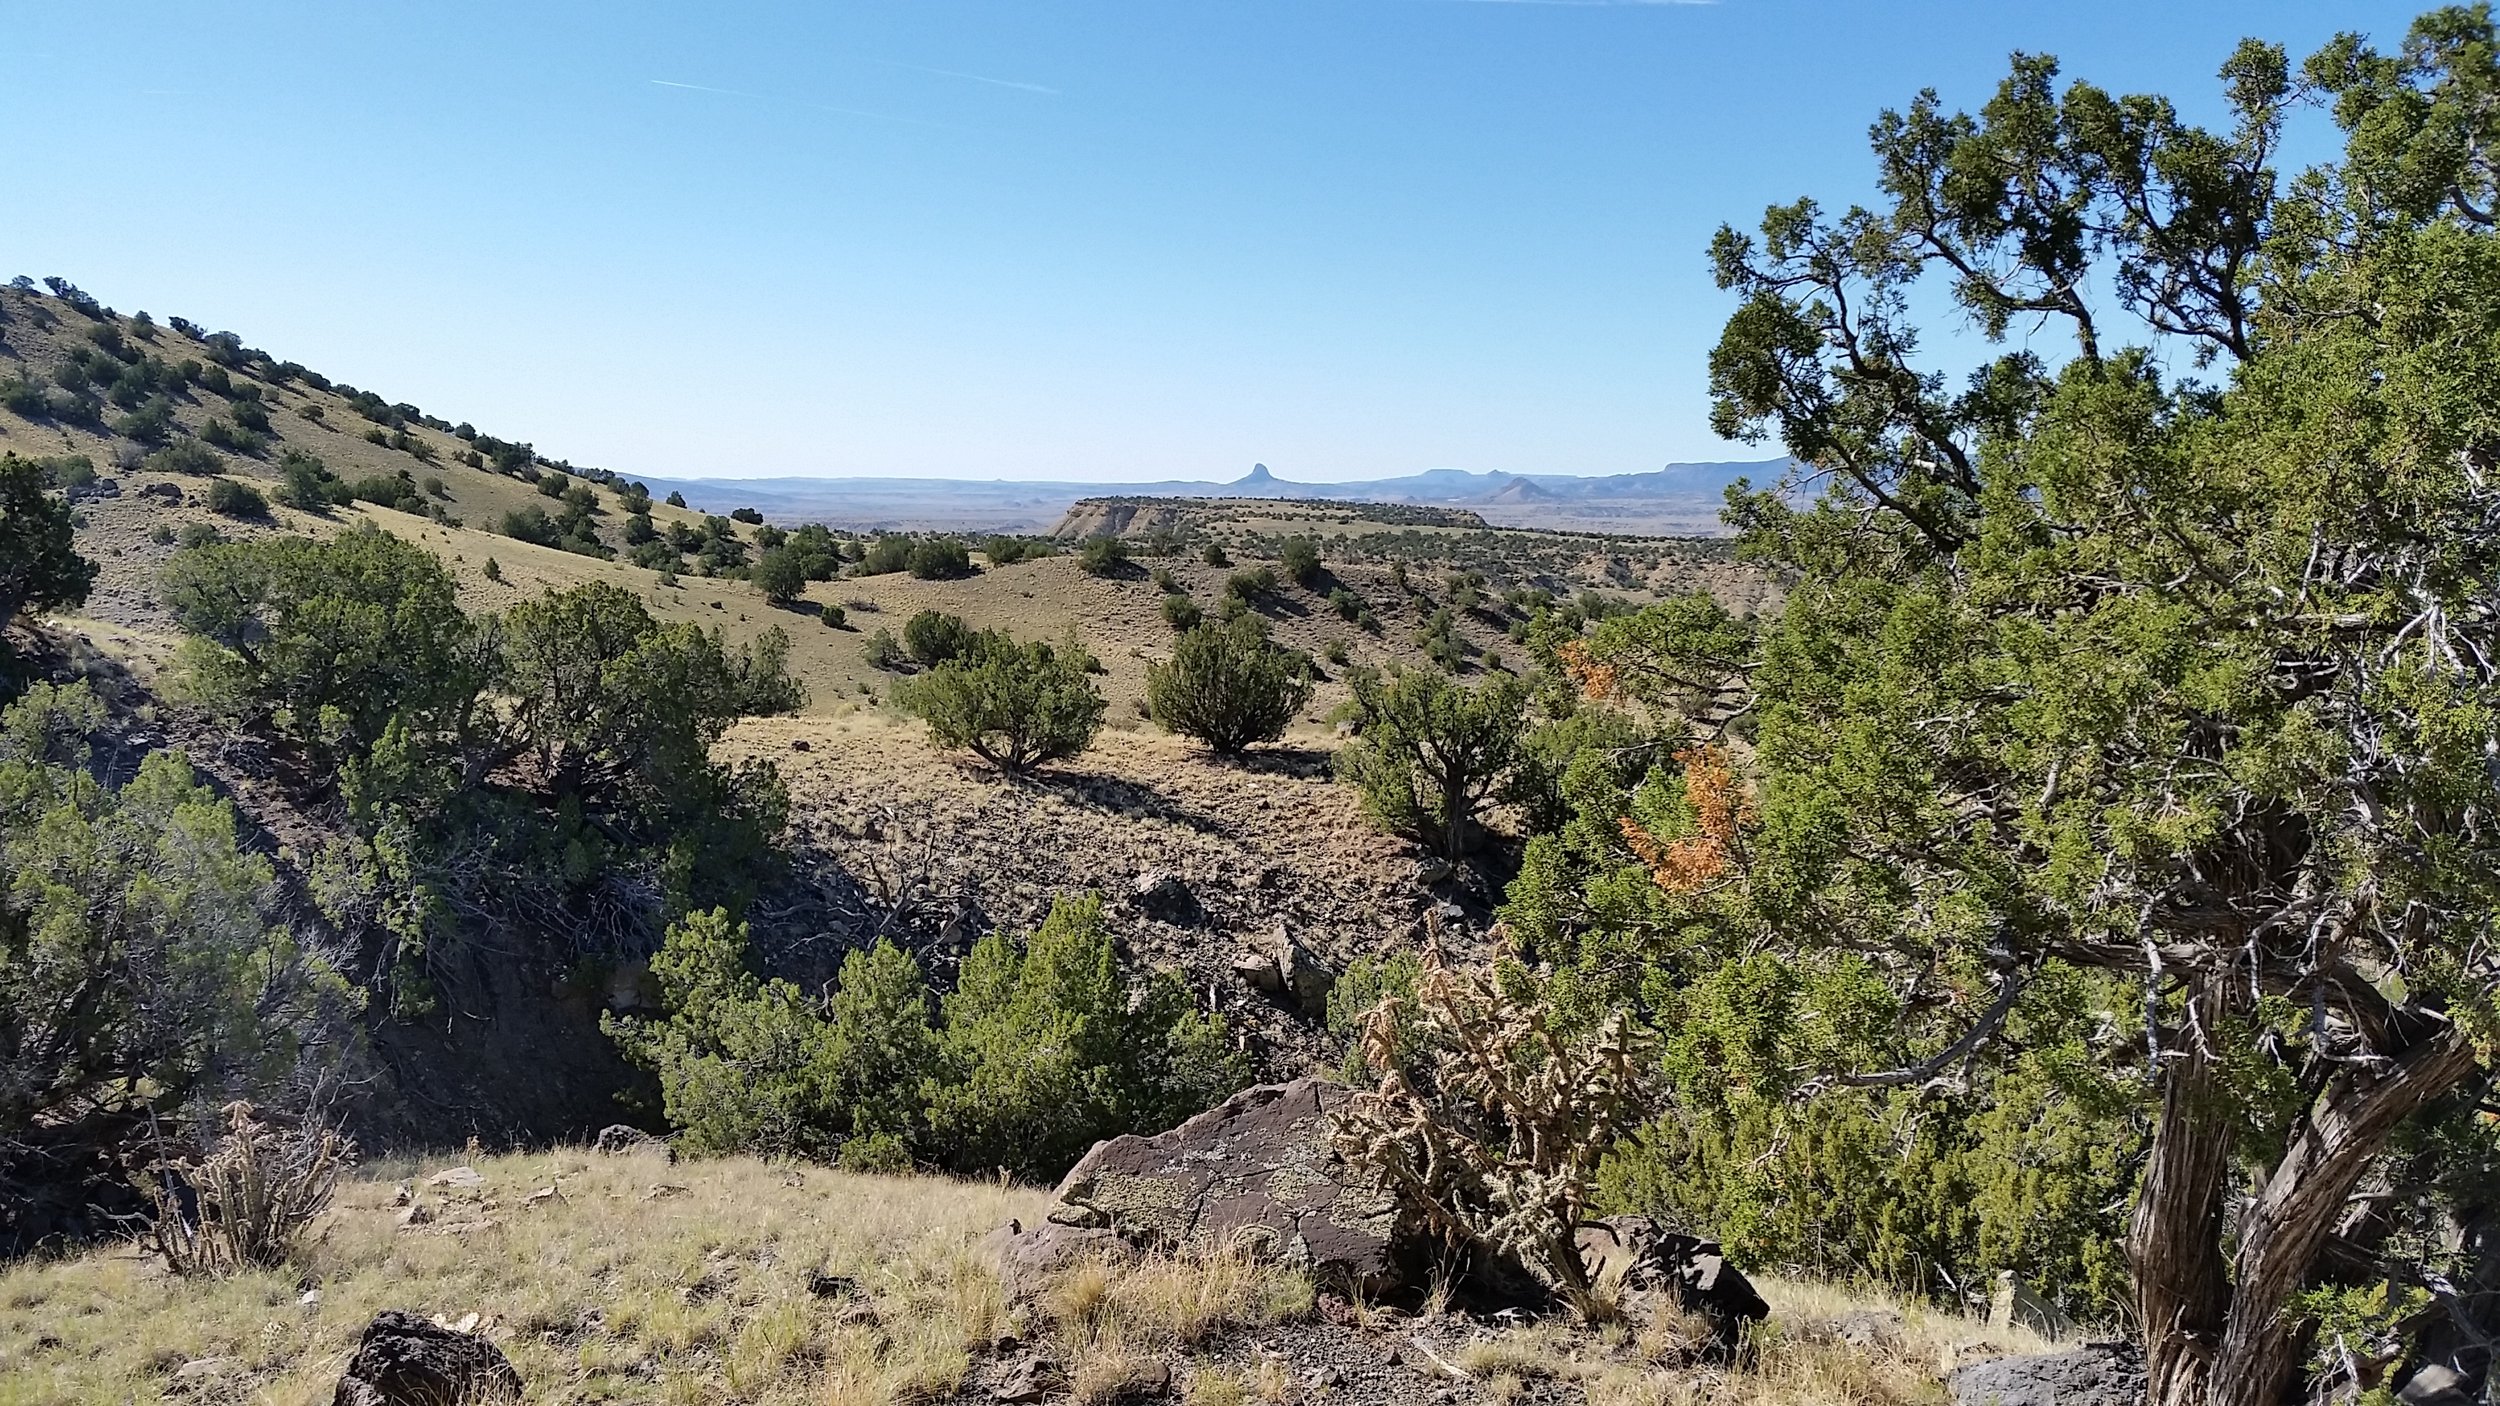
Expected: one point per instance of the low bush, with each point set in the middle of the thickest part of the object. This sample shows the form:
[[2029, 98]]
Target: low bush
[[530, 524], [306, 484], [882, 651], [1228, 686], [1014, 705], [1180, 612], [229, 498], [1251, 586], [1042, 1049], [750, 516], [939, 559], [933, 637], [1214, 555], [1103, 556], [1300, 562], [187, 457]]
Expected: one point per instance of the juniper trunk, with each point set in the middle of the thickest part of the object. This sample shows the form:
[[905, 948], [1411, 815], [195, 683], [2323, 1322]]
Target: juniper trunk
[[2174, 1243], [2217, 1339]]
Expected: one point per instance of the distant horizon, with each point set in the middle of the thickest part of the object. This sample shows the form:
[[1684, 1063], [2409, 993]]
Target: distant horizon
[[1278, 474]]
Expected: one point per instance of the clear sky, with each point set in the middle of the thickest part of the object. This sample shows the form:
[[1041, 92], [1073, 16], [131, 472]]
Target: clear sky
[[1115, 239]]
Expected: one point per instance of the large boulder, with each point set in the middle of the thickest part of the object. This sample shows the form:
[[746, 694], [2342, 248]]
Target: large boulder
[[1257, 1172], [403, 1360], [2096, 1374], [1031, 1260]]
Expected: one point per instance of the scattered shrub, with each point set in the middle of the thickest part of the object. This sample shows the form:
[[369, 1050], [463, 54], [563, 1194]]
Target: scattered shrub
[[1432, 753], [1014, 705], [1228, 686], [781, 575], [1180, 612], [1214, 555], [940, 559], [1038, 1053], [1300, 562], [188, 457], [746, 515], [1103, 556], [834, 616], [881, 651], [1252, 586], [305, 483], [228, 498], [933, 637]]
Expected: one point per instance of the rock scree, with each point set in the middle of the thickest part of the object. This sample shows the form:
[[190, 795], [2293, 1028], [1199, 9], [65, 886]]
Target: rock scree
[[2096, 1374], [403, 1360]]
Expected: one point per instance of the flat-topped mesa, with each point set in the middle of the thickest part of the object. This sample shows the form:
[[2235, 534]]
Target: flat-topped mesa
[[1139, 514]]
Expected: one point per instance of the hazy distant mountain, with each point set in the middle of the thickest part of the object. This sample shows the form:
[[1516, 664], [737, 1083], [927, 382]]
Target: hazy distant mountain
[[1677, 498]]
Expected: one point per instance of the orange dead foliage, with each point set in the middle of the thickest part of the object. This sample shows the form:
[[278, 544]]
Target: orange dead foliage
[[1595, 677], [1691, 863]]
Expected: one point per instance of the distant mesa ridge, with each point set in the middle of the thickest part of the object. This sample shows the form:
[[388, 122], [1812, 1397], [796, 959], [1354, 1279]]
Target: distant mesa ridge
[[1682, 498]]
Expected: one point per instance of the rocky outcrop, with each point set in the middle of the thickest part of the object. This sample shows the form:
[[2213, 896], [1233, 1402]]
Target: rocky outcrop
[[1254, 1173], [623, 1139], [2096, 1374], [1286, 971], [403, 1360], [1030, 1259]]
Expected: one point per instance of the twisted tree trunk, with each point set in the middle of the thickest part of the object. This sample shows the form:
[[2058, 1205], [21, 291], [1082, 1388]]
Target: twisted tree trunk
[[2217, 1338], [2174, 1242], [2287, 1224]]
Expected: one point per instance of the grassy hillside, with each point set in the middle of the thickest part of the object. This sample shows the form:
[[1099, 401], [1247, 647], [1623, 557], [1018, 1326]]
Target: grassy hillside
[[625, 1279], [129, 529]]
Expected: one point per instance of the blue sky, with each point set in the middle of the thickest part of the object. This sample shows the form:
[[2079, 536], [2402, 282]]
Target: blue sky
[[1002, 238]]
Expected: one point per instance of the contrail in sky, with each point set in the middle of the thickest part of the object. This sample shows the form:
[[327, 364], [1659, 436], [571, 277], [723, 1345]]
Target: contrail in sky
[[972, 77]]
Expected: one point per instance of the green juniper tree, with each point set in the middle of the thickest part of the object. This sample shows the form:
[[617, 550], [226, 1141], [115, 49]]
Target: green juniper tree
[[2156, 688], [39, 568]]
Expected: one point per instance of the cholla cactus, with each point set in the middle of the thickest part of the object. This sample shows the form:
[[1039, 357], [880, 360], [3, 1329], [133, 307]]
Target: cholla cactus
[[1488, 1121], [249, 1197]]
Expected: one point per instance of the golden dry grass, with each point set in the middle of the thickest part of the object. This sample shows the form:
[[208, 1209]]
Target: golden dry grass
[[716, 1282], [617, 1289]]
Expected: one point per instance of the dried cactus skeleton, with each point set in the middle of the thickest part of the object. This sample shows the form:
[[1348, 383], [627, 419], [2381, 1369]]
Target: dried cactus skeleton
[[242, 1204], [1490, 1122]]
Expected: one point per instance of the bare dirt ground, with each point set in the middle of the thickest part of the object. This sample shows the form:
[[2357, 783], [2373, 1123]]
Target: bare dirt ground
[[938, 850]]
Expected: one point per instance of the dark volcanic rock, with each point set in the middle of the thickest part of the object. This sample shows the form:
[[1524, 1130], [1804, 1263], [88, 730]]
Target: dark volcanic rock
[[2096, 1374], [619, 1139], [1634, 1255], [1028, 1260], [1255, 1173], [402, 1360]]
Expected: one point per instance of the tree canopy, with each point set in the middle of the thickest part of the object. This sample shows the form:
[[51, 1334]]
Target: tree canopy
[[2137, 703]]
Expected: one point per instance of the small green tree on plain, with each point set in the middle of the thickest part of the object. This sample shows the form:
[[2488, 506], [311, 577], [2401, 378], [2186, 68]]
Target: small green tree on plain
[[1432, 754], [781, 574], [1103, 556], [1015, 705], [1228, 685]]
